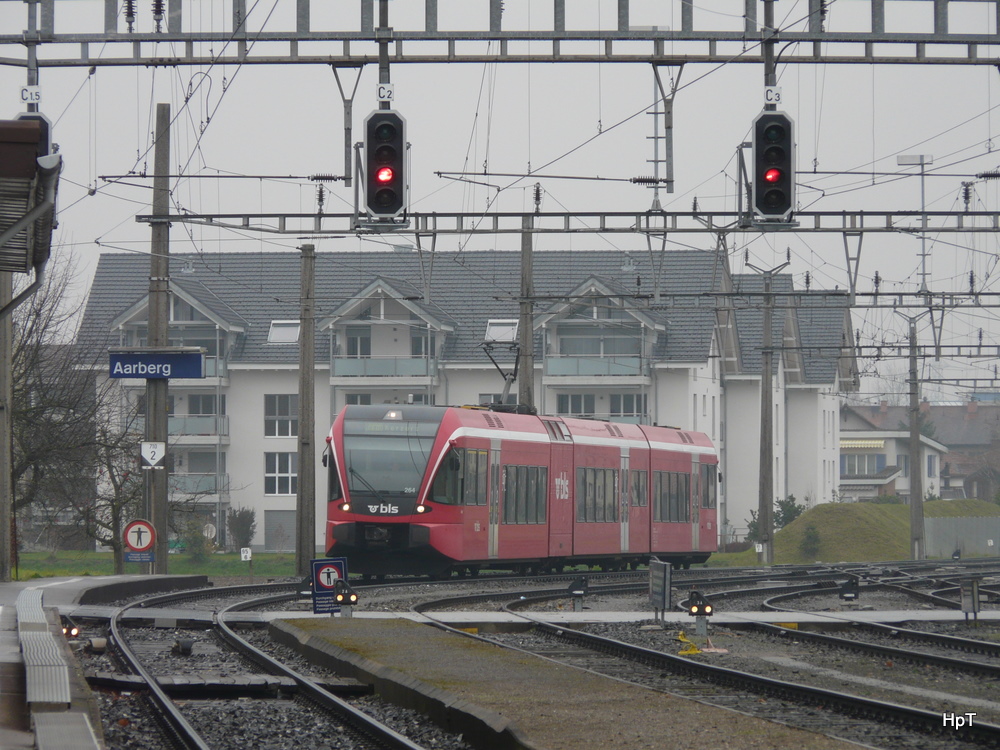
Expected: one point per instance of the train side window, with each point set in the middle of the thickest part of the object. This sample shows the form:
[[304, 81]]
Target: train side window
[[484, 468], [476, 474], [334, 483], [709, 485], [684, 498], [589, 512], [640, 496], [672, 497], [657, 495], [611, 495], [600, 496], [530, 494], [510, 494], [581, 494], [447, 486], [522, 495], [540, 505]]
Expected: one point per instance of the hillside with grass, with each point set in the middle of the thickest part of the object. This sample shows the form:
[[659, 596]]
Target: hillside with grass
[[855, 532]]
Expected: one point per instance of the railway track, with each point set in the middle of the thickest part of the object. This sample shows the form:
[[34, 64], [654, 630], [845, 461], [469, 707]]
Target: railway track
[[200, 684], [836, 713], [265, 686]]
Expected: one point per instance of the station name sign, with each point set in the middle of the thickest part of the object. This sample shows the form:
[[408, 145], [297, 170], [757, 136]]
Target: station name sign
[[155, 364]]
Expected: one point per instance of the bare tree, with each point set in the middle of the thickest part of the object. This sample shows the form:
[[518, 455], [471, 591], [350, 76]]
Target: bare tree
[[119, 491], [53, 410]]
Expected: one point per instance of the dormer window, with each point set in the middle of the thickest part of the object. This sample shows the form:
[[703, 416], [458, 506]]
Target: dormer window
[[283, 332]]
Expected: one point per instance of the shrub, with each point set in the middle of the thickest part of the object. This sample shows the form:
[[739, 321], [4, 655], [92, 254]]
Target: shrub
[[809, 546], [242, 526]]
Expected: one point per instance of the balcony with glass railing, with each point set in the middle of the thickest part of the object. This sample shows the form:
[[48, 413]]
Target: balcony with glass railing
[[191, 425], [383, 367], [216, 367], [593, 365], [199, 484]]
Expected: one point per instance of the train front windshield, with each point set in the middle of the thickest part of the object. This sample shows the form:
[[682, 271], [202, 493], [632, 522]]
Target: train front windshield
[[386, 459]]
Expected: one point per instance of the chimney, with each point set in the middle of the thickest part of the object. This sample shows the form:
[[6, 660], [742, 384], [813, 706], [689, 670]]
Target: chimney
[[925, 406], [971, 408], [883, 406]]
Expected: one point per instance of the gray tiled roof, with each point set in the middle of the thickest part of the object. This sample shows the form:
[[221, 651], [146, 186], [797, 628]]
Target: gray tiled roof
[[467, 289], [822, 322]]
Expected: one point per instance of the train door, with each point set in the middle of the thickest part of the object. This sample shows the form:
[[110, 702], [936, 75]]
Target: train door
[[638, 500], [493, 502], [560, 506], [695, 504], [709, 503], [623, 499]]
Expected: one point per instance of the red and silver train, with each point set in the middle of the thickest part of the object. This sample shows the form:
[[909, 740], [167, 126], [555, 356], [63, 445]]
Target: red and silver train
[[427, 490]]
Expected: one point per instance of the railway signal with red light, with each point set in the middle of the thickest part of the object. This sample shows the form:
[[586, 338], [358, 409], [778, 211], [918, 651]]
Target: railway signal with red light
[[385, 164], [773, 181]]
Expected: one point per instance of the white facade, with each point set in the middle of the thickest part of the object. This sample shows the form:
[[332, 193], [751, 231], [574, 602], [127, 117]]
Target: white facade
[[813, 444]]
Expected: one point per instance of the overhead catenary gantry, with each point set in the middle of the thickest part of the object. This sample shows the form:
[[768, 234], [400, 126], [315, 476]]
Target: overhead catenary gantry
[[500, 35]]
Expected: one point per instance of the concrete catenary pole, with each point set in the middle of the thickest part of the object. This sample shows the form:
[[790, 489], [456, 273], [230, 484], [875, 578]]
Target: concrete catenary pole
[[8, 539], [305, 496], [525, 323], [916, 477], [158, 333]]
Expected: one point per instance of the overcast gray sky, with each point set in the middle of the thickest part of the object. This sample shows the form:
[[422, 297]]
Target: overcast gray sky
[[559, 119]]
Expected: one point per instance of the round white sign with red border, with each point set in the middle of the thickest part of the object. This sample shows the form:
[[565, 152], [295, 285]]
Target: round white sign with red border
[[139, 535], [327, 576]]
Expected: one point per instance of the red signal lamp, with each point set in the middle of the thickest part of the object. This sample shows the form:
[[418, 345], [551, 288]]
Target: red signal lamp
[[384, 174], [772, 175]]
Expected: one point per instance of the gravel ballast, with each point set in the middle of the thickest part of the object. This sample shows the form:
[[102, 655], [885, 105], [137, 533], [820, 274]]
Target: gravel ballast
[[544, 705]]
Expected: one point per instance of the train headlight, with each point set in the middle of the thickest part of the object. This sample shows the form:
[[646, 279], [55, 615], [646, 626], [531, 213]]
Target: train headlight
[[424, 509], [346, 507]]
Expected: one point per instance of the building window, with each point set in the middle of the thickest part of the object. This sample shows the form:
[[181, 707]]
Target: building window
[[281, 415], [425, 399], [281, 473], [628, 405], [575, 404], [283, 332], [932, 466], [421, 345], [903, 462], [205, 462], [140, 405], [862, 464], [359, 341], [358, 399], [206, 404], [589, 340]]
